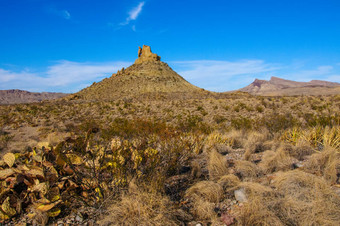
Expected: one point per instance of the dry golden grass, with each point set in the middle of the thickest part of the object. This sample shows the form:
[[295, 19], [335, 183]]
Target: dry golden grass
[[204, 195], [255, 143], [139, 207], [254, 190], [206, 190], [325, 163], [217, 166], [276, 161], [256, 212], [203, 210], [301, 150], [299, 199], [229, 181], [247, 170], [317, 203]]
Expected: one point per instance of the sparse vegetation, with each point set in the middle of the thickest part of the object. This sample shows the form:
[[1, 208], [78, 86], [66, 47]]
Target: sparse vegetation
[[173, 162]]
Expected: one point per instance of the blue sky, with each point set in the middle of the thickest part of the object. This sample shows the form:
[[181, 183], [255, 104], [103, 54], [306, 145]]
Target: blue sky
[[219, 45]]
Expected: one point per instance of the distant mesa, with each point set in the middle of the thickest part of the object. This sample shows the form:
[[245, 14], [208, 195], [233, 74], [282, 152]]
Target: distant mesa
[[282, 87]]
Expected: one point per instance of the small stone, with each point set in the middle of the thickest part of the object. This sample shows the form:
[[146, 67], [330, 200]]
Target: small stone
[[240, 195], [79, 218], [199, 224]]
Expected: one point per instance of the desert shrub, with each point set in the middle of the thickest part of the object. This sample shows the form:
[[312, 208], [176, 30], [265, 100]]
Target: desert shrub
[[193, 123], [136, 128], [219, 119], [5, 138], [278, 122], [314, 120], [259, 108], [241, 123]]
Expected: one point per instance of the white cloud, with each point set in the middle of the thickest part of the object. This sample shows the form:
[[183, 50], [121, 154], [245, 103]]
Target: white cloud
[[68, 76], [227, 75], [64, 76], [320, 72], [133, 13], [223, 75], [61, 13], [66, 14]]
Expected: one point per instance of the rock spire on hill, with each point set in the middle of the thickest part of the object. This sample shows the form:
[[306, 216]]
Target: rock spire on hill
[[147, 77], [145, 55]]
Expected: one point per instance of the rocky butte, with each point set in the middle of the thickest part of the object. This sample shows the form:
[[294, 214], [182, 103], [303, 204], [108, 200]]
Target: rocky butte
[[147, 77]]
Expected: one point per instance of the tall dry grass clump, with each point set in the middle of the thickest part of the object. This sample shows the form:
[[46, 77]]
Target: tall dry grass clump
[[246, 170], [318, 204], [299, 198], [223, 142], [229, 181], [140, 207], [325, 163], [318, 137], [276, 161], [255, 142], [204, 196], [217, 165]]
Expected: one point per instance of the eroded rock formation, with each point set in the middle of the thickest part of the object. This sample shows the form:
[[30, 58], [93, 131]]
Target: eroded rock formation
[[145, 55]]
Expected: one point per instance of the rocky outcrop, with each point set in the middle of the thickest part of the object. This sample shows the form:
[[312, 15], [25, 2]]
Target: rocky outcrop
[[145, 55]]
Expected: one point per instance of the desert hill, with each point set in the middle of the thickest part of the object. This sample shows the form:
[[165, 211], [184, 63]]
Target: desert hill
[[16, 96], [148, 76], [282, 87]]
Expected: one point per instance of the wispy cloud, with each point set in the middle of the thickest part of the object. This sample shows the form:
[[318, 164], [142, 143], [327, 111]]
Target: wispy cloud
[[64, 76], [223, 75], [315, 73], [61, 13], [133, 14], [68, 76], [227, 75], [66, 14]]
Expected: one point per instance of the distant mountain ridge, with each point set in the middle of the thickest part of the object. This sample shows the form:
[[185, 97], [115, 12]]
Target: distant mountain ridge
[[16, 96], [278, 86]]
